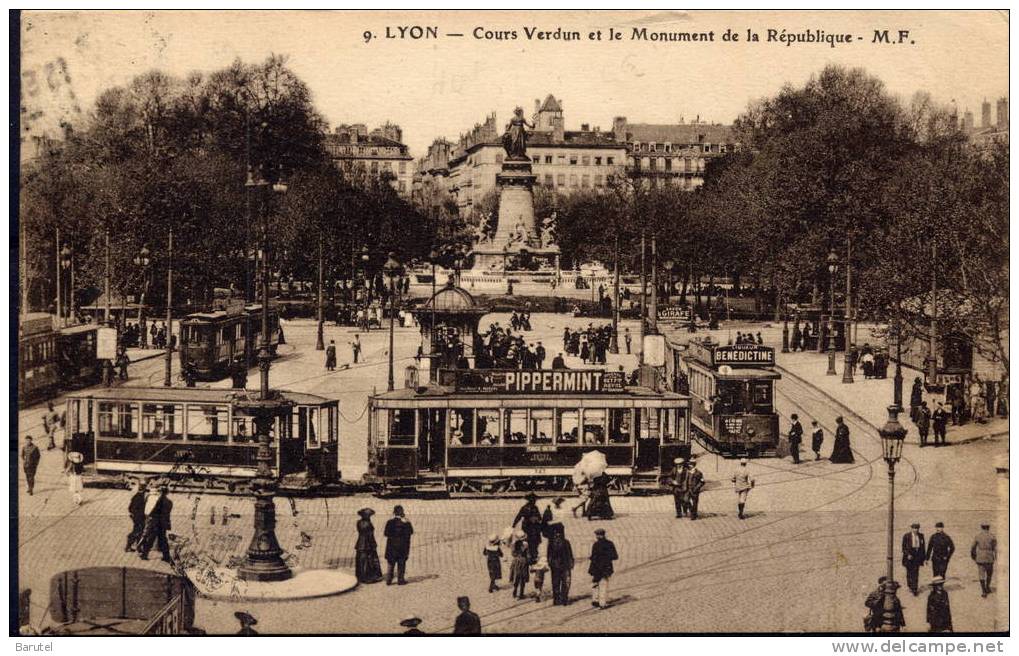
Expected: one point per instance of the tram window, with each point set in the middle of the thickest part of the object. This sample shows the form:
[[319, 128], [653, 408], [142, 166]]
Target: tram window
[[71, 425], [329, 431], [649, 423], [243, 430], [304, 424], [569, 426], [542, 426], [118, 419], [762, 394], [313, 428], [594, 426], [672, 425], [162, 421], [489, 433], [401, 427], [620, 429], [516, 426], [207, 423], [729, 397], [461, 427]]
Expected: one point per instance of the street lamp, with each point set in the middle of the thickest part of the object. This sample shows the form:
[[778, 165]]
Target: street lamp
[[614, 341], [320, 339], [67, 264], [169, 310], [897, 387], [785, 330], [892, 436], [433, 257], [141, 260], [833, 266], [393, 270]]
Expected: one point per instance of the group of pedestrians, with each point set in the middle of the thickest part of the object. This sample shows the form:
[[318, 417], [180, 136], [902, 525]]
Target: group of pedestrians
[[500, 348], [355, 352], [842, 451], [591, 345]]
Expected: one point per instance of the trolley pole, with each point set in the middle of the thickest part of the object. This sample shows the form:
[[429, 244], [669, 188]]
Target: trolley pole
[[169, 311], [653, 314], [106, 282], [847, 373]]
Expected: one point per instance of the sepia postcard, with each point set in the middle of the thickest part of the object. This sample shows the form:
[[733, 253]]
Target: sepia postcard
[[446, 322]]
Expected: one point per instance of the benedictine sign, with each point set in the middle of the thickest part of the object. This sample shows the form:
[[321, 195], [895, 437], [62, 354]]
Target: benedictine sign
[[532, 381], [743, 354]]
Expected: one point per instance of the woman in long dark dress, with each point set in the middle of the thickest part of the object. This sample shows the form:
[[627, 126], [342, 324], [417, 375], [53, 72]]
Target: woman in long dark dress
[[842, 452], [599, 506], [366, 560], [915, 399]]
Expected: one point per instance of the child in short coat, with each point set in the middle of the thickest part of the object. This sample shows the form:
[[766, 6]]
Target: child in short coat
[[493, 554]]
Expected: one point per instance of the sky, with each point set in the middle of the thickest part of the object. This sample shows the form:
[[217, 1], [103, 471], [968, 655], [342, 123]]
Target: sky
[[441, 87]]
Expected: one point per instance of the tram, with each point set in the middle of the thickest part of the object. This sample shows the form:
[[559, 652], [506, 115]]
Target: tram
[[491, 431], [732, 396], [212, 341], [199, 437], [78, 364], [37, 357]]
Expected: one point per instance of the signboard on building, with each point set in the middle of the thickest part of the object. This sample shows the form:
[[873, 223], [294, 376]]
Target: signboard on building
[[674, 313], [532, 381], [106, 343], [743, 355], [654, 350]]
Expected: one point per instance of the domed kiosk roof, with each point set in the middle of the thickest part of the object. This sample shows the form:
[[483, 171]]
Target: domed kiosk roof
[[452, 299]]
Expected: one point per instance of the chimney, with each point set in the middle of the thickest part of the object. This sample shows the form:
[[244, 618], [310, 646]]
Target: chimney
[[1002, 113], [585, 127], [619, 128], [985, 114]]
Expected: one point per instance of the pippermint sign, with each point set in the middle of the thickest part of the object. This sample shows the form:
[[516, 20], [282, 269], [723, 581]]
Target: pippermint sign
[[744, 354], [513, 381]]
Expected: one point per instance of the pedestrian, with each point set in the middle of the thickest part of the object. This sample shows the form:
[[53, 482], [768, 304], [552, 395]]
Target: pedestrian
[[398, 531], [367, 567], [628, 339], [540, 355], [816, 439], [50, 419], [122, 361], [493, 558], [530, 520], [939, 550], [914, 554], [940, 421], [157, 522], [331, 356], [467, 622], [412, 624], [75, 471], [136, 511], [875, 607], [795, 437], [600, 505], [558, 362], [30, 457], [842, 452], [603, 553], [695, 483], [939, 612], [923, 422], [355, 347], [915, 398], [760, 340], [520, 568], [560, 562], [742, 482], [984, 552], [583, 497], [539, 569], [552, 518], [680, 477], [247, 621]]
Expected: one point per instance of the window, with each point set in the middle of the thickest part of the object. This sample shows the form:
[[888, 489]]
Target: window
[[548, 179], [668, 147], [515, 426], [207, 423], [401, 427], [403, 166], [610, 161], [402, 185], [374, 167], [561, 160], [569, 422], [573, 180], [461, 427], [548, 159], [542, 426], [597, 161], [636, 146], [652, 147], [536, 159], [668, 164], [118, 419], [673, 426], [585, 181], [162, 421], [585, 160], [560, 179], [304, 424], [243, 430], [573, 160], [489, 428], [594, 426], [653, 163], [620, 428], [649, 423], [645, 162]]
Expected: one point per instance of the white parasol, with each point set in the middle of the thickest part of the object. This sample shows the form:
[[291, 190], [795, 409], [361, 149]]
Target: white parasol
[[591, 465]]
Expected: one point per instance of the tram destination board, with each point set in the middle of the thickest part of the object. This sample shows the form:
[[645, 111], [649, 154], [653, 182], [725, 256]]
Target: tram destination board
[[523, 381], [743, 354]]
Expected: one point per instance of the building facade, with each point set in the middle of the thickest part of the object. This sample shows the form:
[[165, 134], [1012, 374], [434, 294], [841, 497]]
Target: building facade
[[361, 154], [674, 154]]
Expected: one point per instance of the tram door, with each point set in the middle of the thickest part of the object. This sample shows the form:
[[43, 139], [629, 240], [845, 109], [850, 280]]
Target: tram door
[[648, 439], [432, 439]]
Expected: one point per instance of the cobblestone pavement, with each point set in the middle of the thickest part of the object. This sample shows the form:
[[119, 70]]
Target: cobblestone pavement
[[804, 560]]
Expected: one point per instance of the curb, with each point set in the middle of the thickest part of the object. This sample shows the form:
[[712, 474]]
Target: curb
[[858, 417]]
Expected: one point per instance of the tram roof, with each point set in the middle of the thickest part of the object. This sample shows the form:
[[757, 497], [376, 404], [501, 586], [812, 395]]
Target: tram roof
[[83, 328], [190, 395], [434, 391], [748, 374]]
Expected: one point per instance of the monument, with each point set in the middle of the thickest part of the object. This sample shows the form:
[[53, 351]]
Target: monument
[[516, 244]]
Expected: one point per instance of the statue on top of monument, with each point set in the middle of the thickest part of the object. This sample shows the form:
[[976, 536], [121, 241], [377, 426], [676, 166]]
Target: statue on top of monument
[[515, 139]]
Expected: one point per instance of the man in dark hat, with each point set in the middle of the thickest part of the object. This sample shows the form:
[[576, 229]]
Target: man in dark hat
[[247, 621], [467, 622], [914, 551], [923, 422], [939, 613], [30, 462], [136, 511], [603, 552], [795, 437], [398, 531], [560, 563], [412, 624], [695, 483], [940, 550], [680, 478], [530, 520]]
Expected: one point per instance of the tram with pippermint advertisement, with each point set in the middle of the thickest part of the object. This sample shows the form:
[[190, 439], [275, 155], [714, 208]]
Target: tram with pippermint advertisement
[[201, 437], [732, 396], [492, 431]]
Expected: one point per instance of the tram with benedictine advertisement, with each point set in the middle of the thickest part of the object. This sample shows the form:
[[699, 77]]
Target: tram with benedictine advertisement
[[506, 431], [732, 396]]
